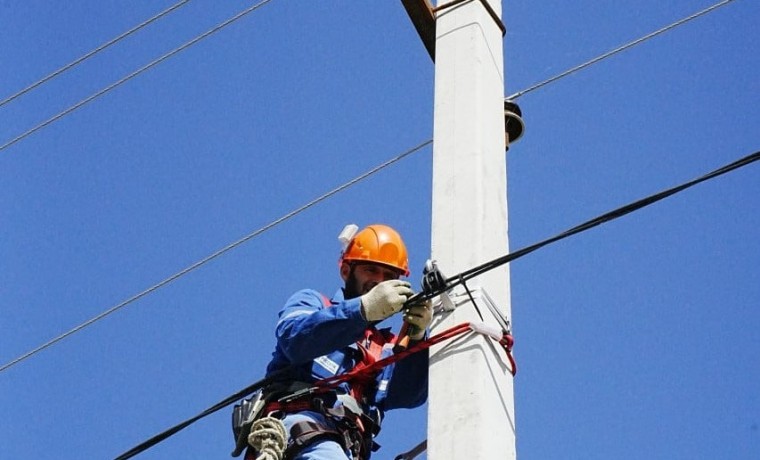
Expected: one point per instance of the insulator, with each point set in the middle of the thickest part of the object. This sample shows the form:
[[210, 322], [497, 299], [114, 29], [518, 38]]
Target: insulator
[[513, 122]]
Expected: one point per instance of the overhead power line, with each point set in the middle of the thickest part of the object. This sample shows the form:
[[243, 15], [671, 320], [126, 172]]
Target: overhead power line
[[604, 218], [245, 12], [453, 281], [133, 74], [247, 391], [618, 50], [216, 254], [93, 52], [312, 203]]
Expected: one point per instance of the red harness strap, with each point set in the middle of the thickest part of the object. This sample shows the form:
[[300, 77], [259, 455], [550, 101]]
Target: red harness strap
[[362, 371], [371, 348], [288, 407]]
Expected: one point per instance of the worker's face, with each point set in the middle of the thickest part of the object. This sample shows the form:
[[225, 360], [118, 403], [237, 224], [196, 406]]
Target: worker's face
[[360, 278]]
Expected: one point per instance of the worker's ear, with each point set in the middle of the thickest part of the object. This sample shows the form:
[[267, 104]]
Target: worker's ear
[[345, 270]]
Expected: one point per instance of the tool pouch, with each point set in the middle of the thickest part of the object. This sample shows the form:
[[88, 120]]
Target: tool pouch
[[251, 409], [243, 416]]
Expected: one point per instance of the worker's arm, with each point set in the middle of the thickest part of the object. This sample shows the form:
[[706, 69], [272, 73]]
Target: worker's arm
[[307, 329], [405, 383]]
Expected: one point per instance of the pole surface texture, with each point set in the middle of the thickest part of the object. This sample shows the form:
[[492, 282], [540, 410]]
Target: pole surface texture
[[471, 403]]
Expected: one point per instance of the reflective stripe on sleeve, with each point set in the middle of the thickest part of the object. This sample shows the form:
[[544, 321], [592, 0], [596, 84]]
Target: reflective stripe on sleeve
[[293, 314]]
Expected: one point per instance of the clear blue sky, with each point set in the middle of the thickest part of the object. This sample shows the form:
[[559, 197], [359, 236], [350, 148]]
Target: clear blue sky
[[638, 339]]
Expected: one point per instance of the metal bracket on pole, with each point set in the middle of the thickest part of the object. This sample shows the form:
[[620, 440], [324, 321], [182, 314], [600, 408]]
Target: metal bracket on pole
[[433, 280], [504, 323], [502, 333], [479, 295]]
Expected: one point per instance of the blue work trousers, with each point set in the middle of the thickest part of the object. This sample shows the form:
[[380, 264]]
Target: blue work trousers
[[323, 449]]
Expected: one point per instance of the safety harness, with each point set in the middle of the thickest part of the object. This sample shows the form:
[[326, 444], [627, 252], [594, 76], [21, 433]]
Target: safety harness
[[356, 424], [311, 397]]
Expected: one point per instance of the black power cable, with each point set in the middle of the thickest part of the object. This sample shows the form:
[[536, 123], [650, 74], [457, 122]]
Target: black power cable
[[247, 391], [461, 278]]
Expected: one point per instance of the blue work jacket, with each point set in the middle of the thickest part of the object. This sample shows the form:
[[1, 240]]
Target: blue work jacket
[[320, 340]]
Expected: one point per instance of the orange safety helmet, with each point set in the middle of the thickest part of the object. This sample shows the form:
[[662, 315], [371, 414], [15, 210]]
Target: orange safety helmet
[[379, 244]]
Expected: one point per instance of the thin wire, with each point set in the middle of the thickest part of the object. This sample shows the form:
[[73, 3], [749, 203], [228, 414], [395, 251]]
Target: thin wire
[[472, 300], [470, 273], [617, 50], [93, 52], [134, 74], [216, 254]]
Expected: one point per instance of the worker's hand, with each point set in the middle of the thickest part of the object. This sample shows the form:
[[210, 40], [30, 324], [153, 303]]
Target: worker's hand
[[385, 299], [419, 318]]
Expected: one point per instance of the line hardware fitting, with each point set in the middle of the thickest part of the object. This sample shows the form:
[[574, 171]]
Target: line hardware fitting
[[461, 278]]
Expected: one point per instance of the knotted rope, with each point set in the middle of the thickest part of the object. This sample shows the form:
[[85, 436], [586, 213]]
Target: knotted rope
[[269, 438]]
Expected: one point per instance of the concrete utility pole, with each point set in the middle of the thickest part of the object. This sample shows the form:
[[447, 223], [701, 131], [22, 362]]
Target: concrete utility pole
[[471, 404]]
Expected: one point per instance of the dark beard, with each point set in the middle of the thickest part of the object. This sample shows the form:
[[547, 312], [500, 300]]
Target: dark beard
[[352, 288]]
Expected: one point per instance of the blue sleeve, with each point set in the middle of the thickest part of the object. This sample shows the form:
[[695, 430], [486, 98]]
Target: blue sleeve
[[306, 329]]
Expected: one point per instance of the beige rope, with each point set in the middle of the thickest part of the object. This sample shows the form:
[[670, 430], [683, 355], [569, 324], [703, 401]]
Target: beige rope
[[269, 438]]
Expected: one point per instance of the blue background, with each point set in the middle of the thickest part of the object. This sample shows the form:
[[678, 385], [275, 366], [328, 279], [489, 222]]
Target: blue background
[[638, 339]]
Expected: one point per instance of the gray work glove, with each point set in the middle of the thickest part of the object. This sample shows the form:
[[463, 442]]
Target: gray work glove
[[419, 318], [385, 299]]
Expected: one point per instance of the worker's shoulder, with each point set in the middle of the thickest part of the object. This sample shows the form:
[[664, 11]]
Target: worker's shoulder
[[308, 297]]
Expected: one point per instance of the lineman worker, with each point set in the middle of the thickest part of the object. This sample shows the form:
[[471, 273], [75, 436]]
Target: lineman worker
[[326, 337]]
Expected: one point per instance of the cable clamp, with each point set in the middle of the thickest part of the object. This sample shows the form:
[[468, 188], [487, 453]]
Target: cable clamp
[[433, 281]]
